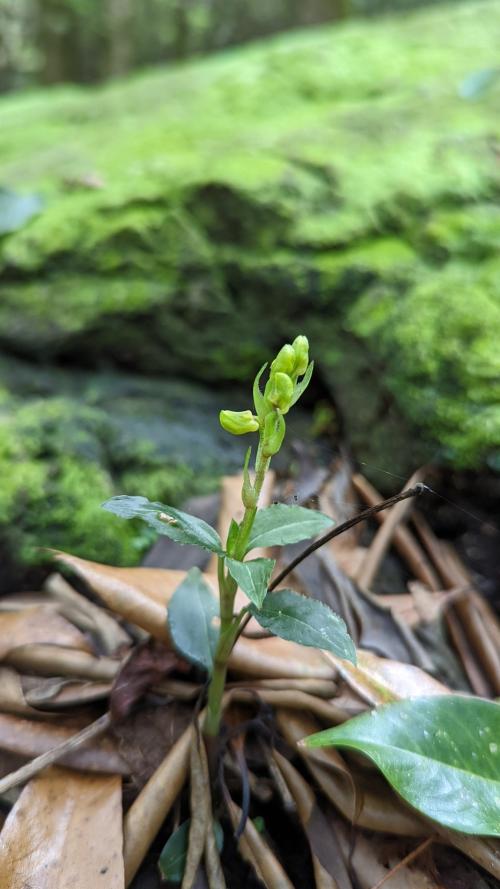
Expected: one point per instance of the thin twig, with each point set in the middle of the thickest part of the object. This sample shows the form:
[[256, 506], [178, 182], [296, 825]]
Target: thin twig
[[20, 776], [345, 526], [407, 860]]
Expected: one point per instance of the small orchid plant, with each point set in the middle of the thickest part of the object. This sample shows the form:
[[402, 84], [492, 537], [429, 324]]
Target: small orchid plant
[[203, 630]]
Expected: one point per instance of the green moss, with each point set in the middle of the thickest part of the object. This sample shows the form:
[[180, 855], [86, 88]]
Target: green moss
[[62, 455], [271, 187], [471, 232], [445, 370]]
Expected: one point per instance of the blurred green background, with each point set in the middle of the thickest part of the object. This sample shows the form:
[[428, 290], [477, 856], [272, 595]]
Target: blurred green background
[[186, 185]]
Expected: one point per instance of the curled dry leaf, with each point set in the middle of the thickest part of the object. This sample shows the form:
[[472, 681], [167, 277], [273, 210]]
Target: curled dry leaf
[[384, 536], [12, 694], [52, 660], [330, 871], [40, 624], [47, 695], [148, 812], [296, 700], [200, 806], [256, 851], [64, 830], [404, 541], [275, 658], [380, 680], [140, 595], [363, 799], [110, 637], [30, 738], [149, 663], [321, 688], [35, 697], [127, 591]]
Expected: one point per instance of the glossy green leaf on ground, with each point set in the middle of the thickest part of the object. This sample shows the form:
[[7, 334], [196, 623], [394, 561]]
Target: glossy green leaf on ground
[[252, 577], [299, 619], [280, 524], [179, 526], [172, 860], [192, 619], [441, 754]]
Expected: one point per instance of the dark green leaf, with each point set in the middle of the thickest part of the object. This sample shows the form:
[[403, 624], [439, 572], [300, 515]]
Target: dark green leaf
[[441, 754], [299, 619], [232, 534], [172, 860], [252, 577], [281, 524], [192, 619], [179, 526], [16, 209]]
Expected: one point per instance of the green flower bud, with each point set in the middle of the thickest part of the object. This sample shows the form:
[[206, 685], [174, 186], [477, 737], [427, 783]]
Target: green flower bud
[[301, 348], [280, 391], [238, 422], [284, 361], [274, 433]]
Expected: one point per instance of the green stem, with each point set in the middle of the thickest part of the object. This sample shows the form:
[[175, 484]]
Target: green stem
[[229, 624]]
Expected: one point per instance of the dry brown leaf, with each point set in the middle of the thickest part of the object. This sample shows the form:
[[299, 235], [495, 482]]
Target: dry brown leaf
[[364, 799], [140, 596], [53, 660], [330, 871], [12, 695], [384, 536], [87, 616], [200, 808], [321, 688], [379, 680], [403, 540], [35, 697], [133, 593], [274, 658], [479, 622], [485, 852], [477, 679], [296, 700], [148, 664], [148, 812], [373, 858], [30, 738], [64, 831], [45, 695], [256, 851], [40, 624]]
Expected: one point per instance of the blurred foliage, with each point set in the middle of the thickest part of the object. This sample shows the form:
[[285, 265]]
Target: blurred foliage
[[54, 41]]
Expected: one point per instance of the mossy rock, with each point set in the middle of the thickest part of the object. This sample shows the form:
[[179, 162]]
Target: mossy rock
[[338, 181], [69, 440]]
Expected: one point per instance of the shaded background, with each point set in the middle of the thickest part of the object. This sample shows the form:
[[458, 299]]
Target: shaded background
[[178, 197]]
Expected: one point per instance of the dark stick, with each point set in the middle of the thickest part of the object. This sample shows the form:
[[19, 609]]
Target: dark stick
[[345, 526], [419, 489]]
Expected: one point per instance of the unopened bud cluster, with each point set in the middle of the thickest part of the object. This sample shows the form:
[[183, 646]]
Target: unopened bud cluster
[[282, 390]]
